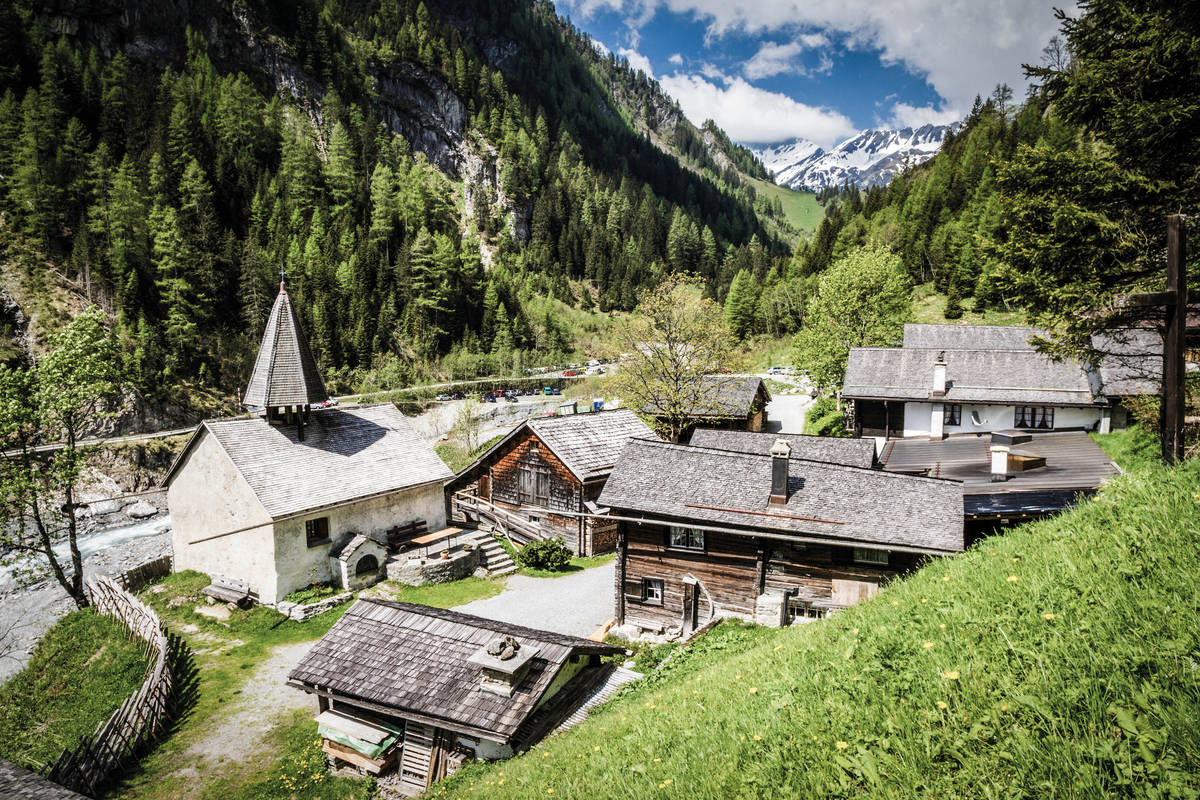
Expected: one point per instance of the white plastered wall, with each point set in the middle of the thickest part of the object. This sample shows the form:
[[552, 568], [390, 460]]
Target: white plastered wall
[[917, 418], [298, 565], [208, 496]]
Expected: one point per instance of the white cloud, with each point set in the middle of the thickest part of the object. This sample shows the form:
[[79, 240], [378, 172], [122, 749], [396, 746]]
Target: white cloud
[[713, 73], [962, 47], [773, 59], [813, 40], [908, 116], [599, 45], [636, 60], [676, 59], [750, 114]]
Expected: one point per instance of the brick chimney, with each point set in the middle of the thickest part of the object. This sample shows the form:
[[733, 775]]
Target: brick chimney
[[781, 452], [938, 389]]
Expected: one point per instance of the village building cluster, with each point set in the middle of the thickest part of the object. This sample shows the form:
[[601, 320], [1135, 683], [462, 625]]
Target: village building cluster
[[957, 432]]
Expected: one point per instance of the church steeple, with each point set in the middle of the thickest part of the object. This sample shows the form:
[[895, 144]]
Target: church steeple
[[285, 376]]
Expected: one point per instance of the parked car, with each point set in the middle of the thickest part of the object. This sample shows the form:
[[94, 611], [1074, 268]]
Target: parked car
[[776, 371], [442, 397], [813, 393], [557, 390], [570, 373]]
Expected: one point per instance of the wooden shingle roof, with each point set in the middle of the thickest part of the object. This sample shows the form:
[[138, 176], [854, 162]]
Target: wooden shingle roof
[[830, 449], [924, 336], [416, 660], [841, 504], [725, 396], [587, 444], [973, 376], [21, 784], [346, 455], [285, 372]]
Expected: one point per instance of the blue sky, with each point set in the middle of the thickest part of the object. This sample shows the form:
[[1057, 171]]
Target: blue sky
[[772, 70]]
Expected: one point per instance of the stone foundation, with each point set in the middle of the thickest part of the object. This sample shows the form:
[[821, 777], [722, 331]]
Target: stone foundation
[[417, 571], [305, 611]]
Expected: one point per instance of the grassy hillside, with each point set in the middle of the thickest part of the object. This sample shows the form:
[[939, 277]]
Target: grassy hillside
[[1059, 660], [82, 670], [800, 208]]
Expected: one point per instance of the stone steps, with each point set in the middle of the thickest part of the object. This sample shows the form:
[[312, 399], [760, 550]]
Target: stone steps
[[498, 561]]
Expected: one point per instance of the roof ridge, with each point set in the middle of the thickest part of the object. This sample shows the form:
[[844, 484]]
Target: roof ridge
[[739, 453]]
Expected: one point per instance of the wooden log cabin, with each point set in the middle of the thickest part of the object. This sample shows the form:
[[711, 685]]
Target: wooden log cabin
[[545, 465], [704, 532], [729, 402], [409, 693]]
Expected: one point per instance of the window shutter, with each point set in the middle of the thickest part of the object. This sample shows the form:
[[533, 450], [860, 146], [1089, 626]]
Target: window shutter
[[634, 589]]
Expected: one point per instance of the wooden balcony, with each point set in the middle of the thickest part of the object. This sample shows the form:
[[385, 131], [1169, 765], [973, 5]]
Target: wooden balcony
[[467, 507]]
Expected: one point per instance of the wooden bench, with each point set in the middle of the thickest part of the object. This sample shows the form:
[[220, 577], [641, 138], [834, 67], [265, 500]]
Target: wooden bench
[[234, 591], [437, 536], [403, 535]]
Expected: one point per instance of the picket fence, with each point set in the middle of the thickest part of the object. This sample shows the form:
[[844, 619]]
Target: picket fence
[[141, 717]]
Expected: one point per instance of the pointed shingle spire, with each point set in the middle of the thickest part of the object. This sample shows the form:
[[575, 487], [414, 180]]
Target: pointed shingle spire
[[285, 372]]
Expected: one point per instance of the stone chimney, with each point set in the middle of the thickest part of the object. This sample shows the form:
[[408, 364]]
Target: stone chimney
[[781, 452], [938, 389], [502, 665]]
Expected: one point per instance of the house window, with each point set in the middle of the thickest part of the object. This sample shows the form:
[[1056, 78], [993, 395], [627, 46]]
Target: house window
[[801, 610], [316, 531], [865, 556], [652, 591], [685, 538], [1035, 417], [952, 414], [533, 485]]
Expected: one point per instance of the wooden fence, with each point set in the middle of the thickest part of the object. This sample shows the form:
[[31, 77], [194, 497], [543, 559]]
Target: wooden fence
[[138, 578], [141, 717]]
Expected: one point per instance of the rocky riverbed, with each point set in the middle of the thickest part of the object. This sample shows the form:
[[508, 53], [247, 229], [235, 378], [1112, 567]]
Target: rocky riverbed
[[26, 612]]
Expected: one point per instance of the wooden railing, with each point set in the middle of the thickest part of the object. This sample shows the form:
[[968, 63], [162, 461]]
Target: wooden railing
[[509, 524], [141, 717]]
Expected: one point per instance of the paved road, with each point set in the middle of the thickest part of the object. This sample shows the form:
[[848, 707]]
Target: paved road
[[577, 604]]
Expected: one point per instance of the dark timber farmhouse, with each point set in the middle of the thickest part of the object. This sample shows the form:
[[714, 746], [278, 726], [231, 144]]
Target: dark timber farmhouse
[[416, 691], [546, 465], [704, 532], [272, 501]]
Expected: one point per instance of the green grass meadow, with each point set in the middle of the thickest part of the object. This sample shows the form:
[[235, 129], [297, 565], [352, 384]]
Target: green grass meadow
[[1061, 659], [83, 668]]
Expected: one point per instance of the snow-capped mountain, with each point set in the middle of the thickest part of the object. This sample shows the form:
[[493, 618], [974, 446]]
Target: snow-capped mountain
[[870, 158]]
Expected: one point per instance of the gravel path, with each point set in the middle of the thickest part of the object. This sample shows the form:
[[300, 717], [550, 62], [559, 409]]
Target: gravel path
[[577, 604], [262, 701]]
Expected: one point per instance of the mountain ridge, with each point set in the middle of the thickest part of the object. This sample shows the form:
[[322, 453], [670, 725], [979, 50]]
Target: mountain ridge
[[872, 157]]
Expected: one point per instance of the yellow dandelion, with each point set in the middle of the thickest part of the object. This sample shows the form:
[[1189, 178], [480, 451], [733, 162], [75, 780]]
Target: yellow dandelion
[[942, 626], [757, 738], [950, 674], [549, 790], [903, 702], [658, 761], [1047, 616], [579, 755], [924, 600], [895, 602], [753, 690], [1015, 559], [942, 705], [1004, 707], [840, 745], [945, 579], [597, 747], [927, 645], [778, 647], [855, 630], [1013, 578]]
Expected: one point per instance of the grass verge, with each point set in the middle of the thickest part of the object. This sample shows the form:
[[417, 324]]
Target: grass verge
[[438, 595], [1059, 659], [82, 669]]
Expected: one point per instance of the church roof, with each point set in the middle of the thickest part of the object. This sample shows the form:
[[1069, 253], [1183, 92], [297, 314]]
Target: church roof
[[285, 372], [346, 455]]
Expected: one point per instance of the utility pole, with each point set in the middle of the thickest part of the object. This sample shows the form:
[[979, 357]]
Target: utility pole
[[1174, 337]]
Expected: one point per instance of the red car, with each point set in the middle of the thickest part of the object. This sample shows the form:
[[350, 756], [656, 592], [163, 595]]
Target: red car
[[570, 373]]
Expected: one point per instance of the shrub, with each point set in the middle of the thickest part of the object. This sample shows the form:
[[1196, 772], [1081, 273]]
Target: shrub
[[551, 554]]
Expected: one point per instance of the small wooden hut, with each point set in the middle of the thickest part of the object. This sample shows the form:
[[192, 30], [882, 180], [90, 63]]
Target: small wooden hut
[[415, 691]]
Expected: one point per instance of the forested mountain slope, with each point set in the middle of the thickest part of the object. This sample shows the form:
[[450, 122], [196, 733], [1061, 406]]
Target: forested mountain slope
[[429, 175]]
